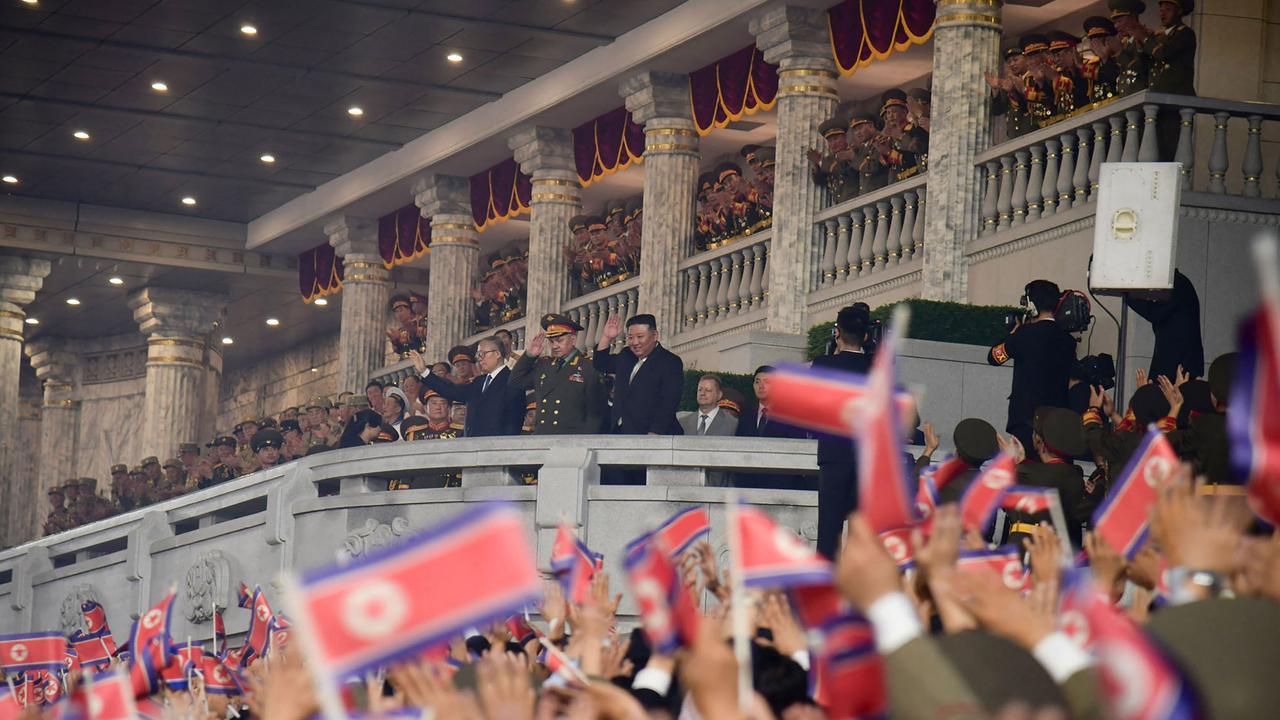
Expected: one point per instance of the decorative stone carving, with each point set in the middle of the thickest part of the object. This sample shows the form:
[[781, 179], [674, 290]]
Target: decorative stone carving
[[372, 536], [72, 617], [115, 365], [208, 581]]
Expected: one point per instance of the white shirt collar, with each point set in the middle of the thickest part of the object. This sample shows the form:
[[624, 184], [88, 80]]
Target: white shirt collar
[[711, 414], [493, 374]]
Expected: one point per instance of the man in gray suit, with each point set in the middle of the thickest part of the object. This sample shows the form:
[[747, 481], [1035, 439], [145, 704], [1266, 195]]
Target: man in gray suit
[[710, 419]]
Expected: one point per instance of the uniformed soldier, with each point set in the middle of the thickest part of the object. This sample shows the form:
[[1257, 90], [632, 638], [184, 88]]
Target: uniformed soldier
[[458, 416], [435, 426], [1102, 71], [1135, 68], [119, 478], [903, 146], [317, 415], [248, 428], [418, 304], [1172, 48], [1070, 91], [226, 464], [1113, 446], [566, 387], [975, 443], [464, 364], [1038, 81], [289, 413], [1204, 440], [834, 169], [140, 489], [174, 482], [59, 518], [403, 333], [189, 456], [295, 445], [1057, 436], [266, 446], [151, 466], [869, 173], [762, 184], [1008, 94], [920, 107], [91, 507]]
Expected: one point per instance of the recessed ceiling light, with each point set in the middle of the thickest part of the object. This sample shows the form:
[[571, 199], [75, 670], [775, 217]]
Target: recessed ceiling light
[[116, 280], [315, 369], [320, 301], [159, 86], [30, 2], [11, 179], [355, 111], [227, 341], [454, 57], [267, 158], [80, 135], [273, 322], [188, 201], [73, 301], [248, 29], [32, 321]]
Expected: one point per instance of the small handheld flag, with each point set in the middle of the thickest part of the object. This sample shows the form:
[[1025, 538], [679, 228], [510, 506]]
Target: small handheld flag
[[33, 651], [1122, 517], [982, 497]]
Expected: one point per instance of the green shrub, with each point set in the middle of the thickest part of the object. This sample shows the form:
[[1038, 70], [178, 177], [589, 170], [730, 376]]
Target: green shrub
[[932, 320], [688, 397]]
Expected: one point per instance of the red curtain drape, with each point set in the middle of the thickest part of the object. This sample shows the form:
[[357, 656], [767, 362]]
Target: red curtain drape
[[863, 31], [403, 236], [606, 145], [735, 85], [319, 272], [499, 193]]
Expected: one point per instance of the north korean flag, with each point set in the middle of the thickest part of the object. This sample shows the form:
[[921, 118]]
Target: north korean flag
[[32, 651], [1122, 517], [850, 683], [1253, 424], [279, 634], [982, 497], [48, 686], [822, 399], [682, 530], [95, 617], [521, 631], [897, 543], [219, 631], [1026, 499], [817, 605], [258, 638], [1005, 561], [218, 678], [106, 697], [149, 644], [70, 659], [94, 651], [573, 564], [772, 555], [884, 486], [244, 596], [471, 569], [667, 610]]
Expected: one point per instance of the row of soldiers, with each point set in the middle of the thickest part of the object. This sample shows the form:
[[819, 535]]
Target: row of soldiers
[[409, 331], [865, 152], [500, 296], [1046, 78], [605, 249], [730, 205]]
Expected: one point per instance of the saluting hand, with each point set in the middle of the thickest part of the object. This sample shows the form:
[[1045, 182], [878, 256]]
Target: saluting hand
[[535, 345]]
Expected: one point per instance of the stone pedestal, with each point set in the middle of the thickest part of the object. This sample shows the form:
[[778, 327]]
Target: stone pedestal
[[796, 39], [546, 155], [966, 44], [177, 324], [56, 367], [20, 279], [661, 102], [365, 290], [455, 251]]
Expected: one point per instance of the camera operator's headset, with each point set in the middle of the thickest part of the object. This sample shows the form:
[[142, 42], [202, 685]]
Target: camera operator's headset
[[1073, 310]]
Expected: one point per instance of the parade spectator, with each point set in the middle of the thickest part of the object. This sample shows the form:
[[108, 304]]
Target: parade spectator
[[494, 406]]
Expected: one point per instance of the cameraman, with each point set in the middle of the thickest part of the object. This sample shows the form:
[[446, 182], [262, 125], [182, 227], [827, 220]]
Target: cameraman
[[1044, 352], [837, 463]]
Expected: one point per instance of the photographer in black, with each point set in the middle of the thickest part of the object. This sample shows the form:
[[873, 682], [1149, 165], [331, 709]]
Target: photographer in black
[[1044, 353], [837, 461]]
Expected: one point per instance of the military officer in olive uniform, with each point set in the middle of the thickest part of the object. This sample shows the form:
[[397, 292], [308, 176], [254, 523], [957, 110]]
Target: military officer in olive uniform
[[119, 481], [871, 175], [59, 518], [1172, 48], [226, 463], [566, 386], [834, 169], [1102, 72], [1135, 70], [1058, 437]]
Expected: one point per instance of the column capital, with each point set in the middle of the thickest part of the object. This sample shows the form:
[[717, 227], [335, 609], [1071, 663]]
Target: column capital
[[543, 151], [652, 94], [351, 235], [793, 37], [437, 194], [163, 312], [54, 359], [21, 278]]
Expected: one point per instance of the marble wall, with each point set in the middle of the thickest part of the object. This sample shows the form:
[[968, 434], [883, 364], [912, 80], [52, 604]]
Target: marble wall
[[110, 427], [279, 381]]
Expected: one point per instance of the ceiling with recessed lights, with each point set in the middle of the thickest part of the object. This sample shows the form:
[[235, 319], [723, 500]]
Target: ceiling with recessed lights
[[142, 103]]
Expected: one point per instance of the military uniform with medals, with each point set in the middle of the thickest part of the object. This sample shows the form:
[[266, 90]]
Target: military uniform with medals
[[420, 428], [568, 390], [1101, 76], [836, 175], [1062, 436], [221, 472]]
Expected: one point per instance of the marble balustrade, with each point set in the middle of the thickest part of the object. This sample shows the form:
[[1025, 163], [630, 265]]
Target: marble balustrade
[[593, 309], [868, 234], [725, 282]]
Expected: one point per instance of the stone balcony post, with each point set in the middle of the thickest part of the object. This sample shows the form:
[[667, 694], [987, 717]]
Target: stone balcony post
[[795, 38], [546, 155], [660, 101], [365, 288], [455, 251], [177, 324], [56, 367], [966, 43], [20, 279]]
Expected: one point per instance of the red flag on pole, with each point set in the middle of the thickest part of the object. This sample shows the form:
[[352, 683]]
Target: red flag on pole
[[982, 497], [33, 651], [1122, 517], [772, 555], [1253, 424]]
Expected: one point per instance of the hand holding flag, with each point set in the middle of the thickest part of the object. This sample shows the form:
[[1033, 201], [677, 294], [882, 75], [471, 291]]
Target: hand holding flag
[[1122, 517]]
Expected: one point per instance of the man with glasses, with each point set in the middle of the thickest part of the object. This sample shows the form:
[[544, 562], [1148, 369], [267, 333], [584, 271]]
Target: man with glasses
[[566, 388], [494, 406]]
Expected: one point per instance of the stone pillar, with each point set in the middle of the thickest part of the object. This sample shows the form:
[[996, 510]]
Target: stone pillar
[[455, 251], [966, 43], [56, 367], [366, 283], [660, 101], [177, 324], [546, 155], [20, 279], [795, 38]]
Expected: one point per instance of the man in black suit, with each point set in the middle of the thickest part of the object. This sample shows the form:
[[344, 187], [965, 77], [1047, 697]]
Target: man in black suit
[[755, 422], [494, 406], [837, 458], [648, 379]]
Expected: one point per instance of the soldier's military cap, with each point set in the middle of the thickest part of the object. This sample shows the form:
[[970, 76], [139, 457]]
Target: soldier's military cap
[[555, 325], [893, 97], [975, 440], [614, 207], [1196, 397], [400, 301], [356, 401], [1062, 40], [831, 128], [267, 438], [747, 151], [172, 463], [732, 403], [267, 422], [578, 222], [427, 393], [1011, 52], [595, 221], [150, 460], [398, 394], [726, 169], [1098, 26], [119, 468], [136, 471], [411, 423], [55, 490], [289, 426], [342, 398], [1222, 374], [461, 352], [1034, 43], [291, 409], [1122, 8], [386, 433], [496, 261], [1188, 6], [863, 119], [706, 181], [921, 94], [188, 447], [319, 403], [635, 206], [417, 297], [226, 440], [87, 482], [766, 156], [1061, 431]]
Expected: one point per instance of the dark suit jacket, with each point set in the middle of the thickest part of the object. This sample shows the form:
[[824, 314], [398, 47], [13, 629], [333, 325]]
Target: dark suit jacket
[[648, 403], [749, 426], [499, 410], [833, 449]]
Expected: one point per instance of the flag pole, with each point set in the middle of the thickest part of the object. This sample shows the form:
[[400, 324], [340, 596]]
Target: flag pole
[[13, 690], [326, 693], [738, 606], [215, 629], [1060, 524]]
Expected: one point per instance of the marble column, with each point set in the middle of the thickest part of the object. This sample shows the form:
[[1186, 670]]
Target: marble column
[[966, 44], [660, 101], [20, 279], [366, 283], [546, 155], [455, 251], [796, 39], [177, 324], [56, 367]]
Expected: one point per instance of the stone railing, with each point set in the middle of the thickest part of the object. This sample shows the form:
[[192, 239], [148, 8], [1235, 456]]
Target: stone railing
[[393, 373], [593, 309], [306, 513], [869, 234], [1056, 168], [731, 280]]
